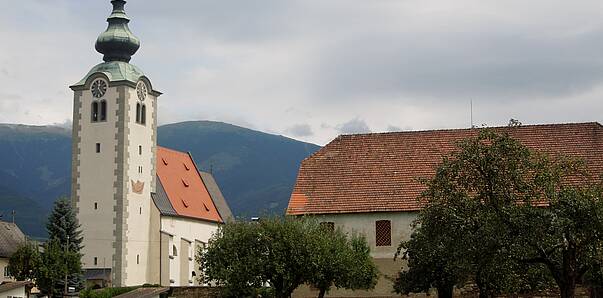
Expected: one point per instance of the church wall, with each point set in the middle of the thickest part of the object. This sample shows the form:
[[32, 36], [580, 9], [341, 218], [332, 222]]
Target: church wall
[[138, 205], [154, 257], [197, 232], [95, 178]]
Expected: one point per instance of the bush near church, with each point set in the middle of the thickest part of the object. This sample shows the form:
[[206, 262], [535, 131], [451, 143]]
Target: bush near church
[[285, 253]]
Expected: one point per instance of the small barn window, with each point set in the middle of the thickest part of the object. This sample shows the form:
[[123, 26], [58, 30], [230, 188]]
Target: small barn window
[[95, 111], [143, 115], [103, 110], [383, 233], [328, 225]]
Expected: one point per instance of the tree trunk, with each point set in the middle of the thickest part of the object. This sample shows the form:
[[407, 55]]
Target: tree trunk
[[596, 292], [567, 286], [322, 293], [445, 292]]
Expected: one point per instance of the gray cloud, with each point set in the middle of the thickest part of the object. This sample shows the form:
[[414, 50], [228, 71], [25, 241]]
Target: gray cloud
[[389, 63], [355, 125], [300, 130]]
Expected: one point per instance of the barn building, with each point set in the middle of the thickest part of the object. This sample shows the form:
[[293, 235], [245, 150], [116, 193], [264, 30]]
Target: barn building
[[370, 183]]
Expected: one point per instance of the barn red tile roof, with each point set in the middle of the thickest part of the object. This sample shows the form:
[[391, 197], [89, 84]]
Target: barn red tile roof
[[184, 187], [379, 172]]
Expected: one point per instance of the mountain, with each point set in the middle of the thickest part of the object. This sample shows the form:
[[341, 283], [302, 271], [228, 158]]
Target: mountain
[[255, 170]]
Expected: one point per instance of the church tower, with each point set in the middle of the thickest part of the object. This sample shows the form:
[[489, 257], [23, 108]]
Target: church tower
[[114, 159]]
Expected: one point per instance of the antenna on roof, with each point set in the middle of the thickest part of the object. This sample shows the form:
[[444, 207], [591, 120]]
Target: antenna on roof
[[471, 112]]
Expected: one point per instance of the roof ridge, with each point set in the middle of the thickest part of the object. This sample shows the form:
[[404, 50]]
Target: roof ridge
[[173, 150], [462, 129]]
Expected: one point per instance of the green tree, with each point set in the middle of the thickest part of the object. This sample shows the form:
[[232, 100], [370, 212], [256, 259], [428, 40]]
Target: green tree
[[566, 237], [24, 262], [234, 259], [63, 227], [56, 262], [285, 253], [340, 260], [490, 197]]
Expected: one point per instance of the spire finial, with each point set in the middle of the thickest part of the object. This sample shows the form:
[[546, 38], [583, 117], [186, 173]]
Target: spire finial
[[117, 43]]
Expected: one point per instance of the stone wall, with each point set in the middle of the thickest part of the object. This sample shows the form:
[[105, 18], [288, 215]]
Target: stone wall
[[194, 292]]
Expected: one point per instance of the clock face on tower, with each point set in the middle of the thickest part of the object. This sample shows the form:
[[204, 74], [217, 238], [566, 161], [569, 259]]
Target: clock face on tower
[[98, 88], [141, 90]]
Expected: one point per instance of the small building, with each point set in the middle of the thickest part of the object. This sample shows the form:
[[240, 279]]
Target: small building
[[15, 289], [11, 238], [369, 183]]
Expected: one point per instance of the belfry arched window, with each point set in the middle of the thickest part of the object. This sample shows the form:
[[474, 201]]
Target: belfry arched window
[[138, 113], [94, 111], [143, 115], [174, 251], [103, 110]]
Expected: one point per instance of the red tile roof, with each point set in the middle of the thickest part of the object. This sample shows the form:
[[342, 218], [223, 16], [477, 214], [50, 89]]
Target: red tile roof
[[379, 172], [184, 186]]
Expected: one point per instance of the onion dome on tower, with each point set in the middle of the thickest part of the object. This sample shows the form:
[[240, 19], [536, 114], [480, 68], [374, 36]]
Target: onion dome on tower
[[117, 43]]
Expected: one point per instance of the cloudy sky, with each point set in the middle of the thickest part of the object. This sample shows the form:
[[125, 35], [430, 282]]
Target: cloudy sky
[[313, 69]]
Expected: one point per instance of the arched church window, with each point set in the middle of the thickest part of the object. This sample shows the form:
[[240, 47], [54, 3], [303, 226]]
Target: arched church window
[[174, 251], [94, 111], [143, 115], [137, 113], [103, 110]]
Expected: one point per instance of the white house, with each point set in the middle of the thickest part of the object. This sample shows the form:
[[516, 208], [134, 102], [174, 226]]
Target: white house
[[15, 289], [11, 238]]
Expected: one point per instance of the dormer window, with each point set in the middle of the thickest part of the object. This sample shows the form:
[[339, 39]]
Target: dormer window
[[185, 183]]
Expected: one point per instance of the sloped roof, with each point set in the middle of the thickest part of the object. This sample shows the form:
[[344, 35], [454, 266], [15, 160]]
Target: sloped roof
[[8, 286], [379, 172], [217, 197], [11, 238], [162, 201], [183, 186]]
